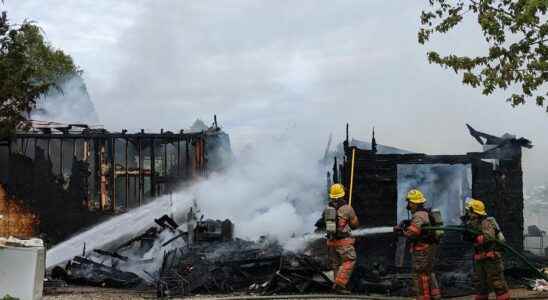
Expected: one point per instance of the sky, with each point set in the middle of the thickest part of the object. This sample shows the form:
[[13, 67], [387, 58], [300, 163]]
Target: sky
[[266, 67]]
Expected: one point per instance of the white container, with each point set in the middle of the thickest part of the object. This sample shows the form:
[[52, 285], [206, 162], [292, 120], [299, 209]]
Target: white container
[[22, 272]]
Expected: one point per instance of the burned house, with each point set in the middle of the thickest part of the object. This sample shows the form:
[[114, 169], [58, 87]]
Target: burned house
[[379, 182], [72, 176]]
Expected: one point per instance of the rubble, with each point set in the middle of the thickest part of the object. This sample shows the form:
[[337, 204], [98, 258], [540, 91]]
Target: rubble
[[206, 259], [84, 271], [225, 267]]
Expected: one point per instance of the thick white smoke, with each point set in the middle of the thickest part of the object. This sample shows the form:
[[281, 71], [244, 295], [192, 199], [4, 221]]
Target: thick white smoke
[[445, 187], [337, 62], [70, 103], [536, 207], [273, 187]]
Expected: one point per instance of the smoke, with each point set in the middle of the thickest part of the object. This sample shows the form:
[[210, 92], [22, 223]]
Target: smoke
[[318, 65], [274, 188], [321, 66], [445, 187], [68, 103], [167, 62], [536, 207]]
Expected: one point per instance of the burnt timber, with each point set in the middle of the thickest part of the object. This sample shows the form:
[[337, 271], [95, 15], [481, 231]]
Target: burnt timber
[[73, 176]]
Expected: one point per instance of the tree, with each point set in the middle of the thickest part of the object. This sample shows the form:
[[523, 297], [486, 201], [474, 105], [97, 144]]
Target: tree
[[29, 67], [516, 32]]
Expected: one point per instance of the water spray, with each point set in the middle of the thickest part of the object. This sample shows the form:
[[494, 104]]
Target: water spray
[[299, 243], [372, 231], [118, 229]]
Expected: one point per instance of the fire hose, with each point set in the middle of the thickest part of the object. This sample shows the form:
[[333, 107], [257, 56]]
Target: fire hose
[[459, 228]]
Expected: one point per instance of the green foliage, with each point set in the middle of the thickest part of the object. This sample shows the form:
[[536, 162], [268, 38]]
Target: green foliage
[[516, 32], [8, 297], [29, 67]]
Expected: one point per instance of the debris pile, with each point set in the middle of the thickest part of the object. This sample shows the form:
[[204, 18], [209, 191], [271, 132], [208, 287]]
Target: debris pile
[[225, 267], [196, 257], [84, 271]]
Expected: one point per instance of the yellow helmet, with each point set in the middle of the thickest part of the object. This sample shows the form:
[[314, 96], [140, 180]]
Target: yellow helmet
[[336, 191], [476, 206], [415, 196]]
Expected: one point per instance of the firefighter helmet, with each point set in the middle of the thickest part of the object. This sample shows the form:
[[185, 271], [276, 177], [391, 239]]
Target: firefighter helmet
[[476, 206], [415, 196], [336, 191]]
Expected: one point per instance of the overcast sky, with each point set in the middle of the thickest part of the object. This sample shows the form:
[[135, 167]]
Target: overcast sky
[[268, 66]]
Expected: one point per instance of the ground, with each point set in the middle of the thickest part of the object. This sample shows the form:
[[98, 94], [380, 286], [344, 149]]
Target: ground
[[81, 293]]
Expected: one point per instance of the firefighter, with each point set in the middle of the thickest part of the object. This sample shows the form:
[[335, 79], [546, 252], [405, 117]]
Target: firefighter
[[424, 246], [339, 219], [488, 262]]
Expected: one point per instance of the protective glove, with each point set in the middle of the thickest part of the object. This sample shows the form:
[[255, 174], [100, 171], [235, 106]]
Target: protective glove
[[401, 226]]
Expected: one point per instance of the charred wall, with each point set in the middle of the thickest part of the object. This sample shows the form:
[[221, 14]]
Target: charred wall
[[73, 179], [59, 205]]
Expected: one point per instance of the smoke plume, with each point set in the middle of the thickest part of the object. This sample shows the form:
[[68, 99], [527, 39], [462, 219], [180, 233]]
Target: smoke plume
[[443, 185], [68, 103], [274, 188], [167, 62]]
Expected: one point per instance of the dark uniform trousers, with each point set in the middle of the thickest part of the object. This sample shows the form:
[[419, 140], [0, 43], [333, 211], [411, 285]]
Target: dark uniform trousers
[[489, 275]]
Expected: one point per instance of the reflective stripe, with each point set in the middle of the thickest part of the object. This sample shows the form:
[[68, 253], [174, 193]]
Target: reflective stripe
[[425, 280], [486, 255], [343, 276], [340, 242], [480, 240], [504, 296], [341, 280], [481, 297], [419, 247]]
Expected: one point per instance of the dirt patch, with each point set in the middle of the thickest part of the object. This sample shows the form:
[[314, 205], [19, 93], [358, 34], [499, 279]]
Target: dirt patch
[[81, 293]]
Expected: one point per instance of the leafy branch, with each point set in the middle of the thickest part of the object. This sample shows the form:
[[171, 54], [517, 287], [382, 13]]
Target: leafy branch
[[516, 33]]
